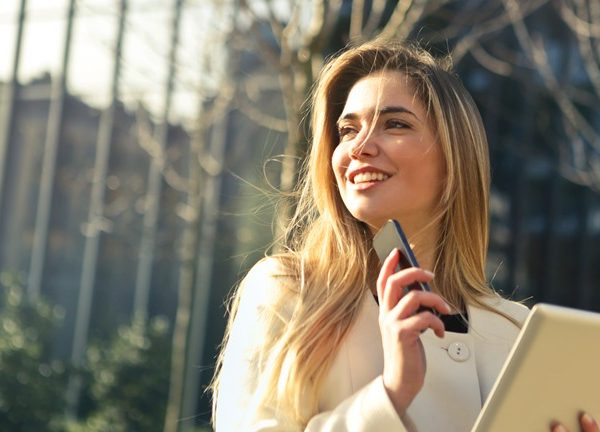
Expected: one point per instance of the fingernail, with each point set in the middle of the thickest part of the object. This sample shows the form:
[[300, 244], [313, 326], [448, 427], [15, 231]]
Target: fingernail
[[559, 428], [392, 252], [587, 419], [447, 306], [430, 274]]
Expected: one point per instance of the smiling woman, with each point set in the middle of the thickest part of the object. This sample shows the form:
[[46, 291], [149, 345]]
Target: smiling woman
[[395, 135], [388, 164]]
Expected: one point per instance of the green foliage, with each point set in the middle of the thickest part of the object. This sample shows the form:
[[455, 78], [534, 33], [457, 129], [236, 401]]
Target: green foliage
[[32, 387], [127, 380]]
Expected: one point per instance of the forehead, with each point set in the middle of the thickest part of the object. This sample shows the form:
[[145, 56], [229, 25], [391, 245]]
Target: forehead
[[382, 89]]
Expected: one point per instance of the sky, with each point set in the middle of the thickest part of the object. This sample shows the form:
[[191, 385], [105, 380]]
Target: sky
[[145, 51]]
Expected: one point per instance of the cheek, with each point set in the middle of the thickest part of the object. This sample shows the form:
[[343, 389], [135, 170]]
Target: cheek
[[339, 164], [436, 175]]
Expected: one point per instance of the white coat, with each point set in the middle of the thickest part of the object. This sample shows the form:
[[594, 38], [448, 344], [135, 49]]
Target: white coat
[[461, 369]]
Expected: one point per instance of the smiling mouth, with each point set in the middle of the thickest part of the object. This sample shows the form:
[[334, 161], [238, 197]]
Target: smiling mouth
[[369, 177]]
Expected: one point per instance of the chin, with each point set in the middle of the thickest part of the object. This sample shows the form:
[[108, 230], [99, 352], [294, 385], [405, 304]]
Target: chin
[[373, 221]]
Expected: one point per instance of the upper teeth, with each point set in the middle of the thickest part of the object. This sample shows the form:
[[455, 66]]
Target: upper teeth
[[370, 176]]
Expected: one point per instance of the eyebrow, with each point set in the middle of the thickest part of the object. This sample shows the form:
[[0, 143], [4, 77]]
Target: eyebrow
[[384, 110]]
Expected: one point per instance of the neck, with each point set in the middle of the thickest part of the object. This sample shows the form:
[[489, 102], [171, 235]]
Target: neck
[[424, 242]]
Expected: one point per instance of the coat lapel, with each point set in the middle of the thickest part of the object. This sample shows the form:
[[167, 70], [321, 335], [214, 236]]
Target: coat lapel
[[461, 367]]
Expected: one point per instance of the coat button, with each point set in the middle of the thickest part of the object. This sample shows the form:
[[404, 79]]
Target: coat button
[[458, 351]]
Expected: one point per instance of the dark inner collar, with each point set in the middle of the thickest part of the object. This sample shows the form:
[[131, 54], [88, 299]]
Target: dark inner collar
[[452, 323]]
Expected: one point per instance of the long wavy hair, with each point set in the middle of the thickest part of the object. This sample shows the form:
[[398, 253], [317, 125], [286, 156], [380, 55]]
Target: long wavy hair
[[329, 253]]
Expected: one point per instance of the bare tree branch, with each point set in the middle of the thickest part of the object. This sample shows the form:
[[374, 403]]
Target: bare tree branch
[[574, 163], [259, 117], [397, 19], [580, 26], [538, 55], [488, 27], [375, 16], [588, 56], [471, 16], [317, 23], [414, 14], [146, 139], [493, 64], [356, 19], [148, 143], [293, 25], [320, 31], [406, 15]]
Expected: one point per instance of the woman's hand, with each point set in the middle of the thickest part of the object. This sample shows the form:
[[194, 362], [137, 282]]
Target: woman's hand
[[588, 424], [404, 359]]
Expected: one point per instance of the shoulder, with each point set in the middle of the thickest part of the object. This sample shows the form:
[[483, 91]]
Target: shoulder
[[513, 309], [270, 267], [268, 286], [270, 277], [261, 308]]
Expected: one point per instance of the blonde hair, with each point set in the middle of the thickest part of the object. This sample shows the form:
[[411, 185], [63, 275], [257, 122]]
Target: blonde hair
[[329, 252]]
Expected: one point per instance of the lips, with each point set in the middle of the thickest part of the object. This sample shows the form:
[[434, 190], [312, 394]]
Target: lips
[[367, 175]]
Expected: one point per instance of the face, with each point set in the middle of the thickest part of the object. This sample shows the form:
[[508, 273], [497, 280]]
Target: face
[[388, 164]]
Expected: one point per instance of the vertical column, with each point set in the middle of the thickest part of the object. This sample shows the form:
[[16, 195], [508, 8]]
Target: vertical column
[[187, 272], [53, 133], [208, 229], [553, 291], [211, 192], [146, 257], [587, 290], [95, 216], [520, 237], [8, 107]]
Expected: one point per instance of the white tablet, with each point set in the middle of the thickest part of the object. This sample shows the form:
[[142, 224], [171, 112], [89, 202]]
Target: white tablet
[[552, 373]]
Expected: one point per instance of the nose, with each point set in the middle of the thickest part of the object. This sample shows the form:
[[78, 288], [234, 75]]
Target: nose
[[364, 147]]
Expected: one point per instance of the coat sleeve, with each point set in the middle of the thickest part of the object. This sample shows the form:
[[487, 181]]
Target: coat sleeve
[[237, 409]]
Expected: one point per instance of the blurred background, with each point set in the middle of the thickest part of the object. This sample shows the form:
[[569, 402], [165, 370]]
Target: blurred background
[[145, 145]]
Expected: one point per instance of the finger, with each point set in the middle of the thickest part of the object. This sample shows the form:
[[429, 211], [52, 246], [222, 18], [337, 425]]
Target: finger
[[410, 304], [393, 290], [588, 424], [412, 327], [557, 427], [387, 269]]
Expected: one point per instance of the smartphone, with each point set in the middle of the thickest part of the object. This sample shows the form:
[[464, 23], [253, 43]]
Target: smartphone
[[390, 237]]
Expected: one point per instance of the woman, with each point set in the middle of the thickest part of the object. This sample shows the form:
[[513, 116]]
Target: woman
[[323, 337]]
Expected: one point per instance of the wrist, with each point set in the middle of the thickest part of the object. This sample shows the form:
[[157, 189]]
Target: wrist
[[398, 399]]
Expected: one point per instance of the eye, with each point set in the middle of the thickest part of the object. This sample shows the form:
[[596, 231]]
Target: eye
[[396, 124], [346, 132]]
